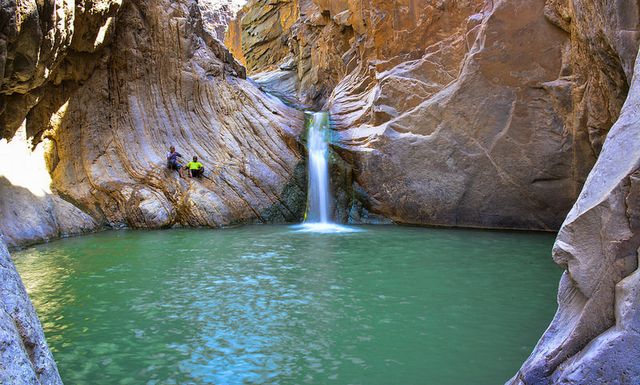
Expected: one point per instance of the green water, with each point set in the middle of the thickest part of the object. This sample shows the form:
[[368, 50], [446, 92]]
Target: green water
[[269, 305]]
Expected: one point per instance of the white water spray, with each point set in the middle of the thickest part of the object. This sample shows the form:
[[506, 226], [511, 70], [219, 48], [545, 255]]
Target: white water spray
[[317, 142], [318, 216]]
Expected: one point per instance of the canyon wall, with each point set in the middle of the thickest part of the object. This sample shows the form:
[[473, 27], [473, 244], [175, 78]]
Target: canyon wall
[[595, 335], [467, 113], [107, 100], [92, 96]]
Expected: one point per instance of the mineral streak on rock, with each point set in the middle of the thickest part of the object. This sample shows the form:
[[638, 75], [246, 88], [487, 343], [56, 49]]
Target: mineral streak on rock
[[469, 113]]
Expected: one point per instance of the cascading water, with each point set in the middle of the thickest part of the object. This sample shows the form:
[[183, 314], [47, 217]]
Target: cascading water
[[317, 143], [318, 215]]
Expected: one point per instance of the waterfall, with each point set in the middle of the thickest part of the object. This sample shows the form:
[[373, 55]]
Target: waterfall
[[318, 204]]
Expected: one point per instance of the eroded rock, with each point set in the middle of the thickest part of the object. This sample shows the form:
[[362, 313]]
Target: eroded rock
[[25, 357], [162, 80], [594, 337], [468, 113]]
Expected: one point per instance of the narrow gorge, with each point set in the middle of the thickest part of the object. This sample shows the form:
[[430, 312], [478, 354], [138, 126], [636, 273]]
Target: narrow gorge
[[488, 114]]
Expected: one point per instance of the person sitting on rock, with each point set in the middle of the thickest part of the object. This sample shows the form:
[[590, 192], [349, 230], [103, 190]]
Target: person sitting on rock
[[196, 169], [172, 160]]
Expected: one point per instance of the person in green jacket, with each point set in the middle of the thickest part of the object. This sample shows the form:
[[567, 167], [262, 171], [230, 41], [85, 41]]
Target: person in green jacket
[[196, 169]]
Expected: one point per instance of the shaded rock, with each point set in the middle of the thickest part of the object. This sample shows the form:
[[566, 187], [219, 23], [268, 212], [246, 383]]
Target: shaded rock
[[469, 113], [47, 41], [593, 338], [24, 356], [217, 14]]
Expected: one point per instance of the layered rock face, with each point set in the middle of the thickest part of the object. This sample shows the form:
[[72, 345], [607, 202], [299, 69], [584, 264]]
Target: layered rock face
[[595, 335], [468, 113], [217, 14], [108, 117], [171, 84]]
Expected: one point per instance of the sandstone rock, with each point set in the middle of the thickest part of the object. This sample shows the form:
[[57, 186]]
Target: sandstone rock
[[29, 210], [108, 123], [217, 14], [594, 337], [469, 113], [24, 355]]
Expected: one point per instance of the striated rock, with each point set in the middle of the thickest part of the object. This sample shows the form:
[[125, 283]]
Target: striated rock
[[217, 14], [169, 85], [594, 337], [25, 357], [467, 113], [47, 41], [107, 125]]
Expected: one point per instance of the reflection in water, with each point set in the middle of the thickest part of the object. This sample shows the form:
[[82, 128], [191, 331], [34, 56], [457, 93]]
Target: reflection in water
[[272, 305]]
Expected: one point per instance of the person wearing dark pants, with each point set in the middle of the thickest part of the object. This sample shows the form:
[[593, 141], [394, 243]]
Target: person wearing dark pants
[[172, 160], [196, 169]]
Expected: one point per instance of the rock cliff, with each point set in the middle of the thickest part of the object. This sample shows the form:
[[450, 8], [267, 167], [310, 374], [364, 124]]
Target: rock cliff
[[469, 113], [106, 113], [595, 335]]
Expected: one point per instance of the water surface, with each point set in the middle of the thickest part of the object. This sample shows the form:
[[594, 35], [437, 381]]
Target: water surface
[[274, 305]]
